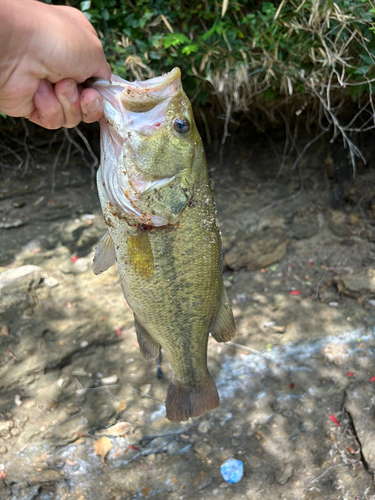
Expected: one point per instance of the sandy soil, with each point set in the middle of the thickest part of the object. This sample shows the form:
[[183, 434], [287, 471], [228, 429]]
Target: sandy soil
[[82, 413]]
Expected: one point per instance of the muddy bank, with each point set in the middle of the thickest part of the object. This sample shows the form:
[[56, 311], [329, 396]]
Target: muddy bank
[[82, 413]]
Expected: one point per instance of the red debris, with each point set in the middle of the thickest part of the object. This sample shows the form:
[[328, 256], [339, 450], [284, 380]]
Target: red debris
[[334, 420], [295, 292], [132, 447], [350, 374], [74, 258], [372, 379], [2, 474], [118, 331], [11, 354], [291, 385], [310, 263]]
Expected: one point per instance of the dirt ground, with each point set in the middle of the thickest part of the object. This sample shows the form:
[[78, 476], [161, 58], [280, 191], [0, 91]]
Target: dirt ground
[[82, 413]]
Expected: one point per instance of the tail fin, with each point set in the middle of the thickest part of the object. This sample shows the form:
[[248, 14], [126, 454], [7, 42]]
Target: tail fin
[[184, 402]]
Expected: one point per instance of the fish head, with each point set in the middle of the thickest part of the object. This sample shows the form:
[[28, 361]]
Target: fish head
[[150, 143]]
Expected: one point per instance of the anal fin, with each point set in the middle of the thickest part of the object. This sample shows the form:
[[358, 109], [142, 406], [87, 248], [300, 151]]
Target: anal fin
[[105, 255], [147, 345], [223, 327]]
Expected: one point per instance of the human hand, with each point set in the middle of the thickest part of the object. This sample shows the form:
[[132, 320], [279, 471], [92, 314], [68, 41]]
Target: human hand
[[46, 52]]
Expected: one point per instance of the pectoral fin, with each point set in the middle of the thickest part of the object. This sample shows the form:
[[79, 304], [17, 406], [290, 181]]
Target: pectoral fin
[[147, 345], [105, 255], [223, 327]]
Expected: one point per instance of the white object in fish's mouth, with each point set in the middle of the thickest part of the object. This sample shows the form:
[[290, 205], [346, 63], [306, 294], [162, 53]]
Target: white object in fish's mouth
[[139, 108]]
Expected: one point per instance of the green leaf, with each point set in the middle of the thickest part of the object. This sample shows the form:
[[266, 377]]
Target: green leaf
[[85, 5], [188, 49], [174, 39]]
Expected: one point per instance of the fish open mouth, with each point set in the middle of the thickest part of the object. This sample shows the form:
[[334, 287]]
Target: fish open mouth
[[139, 97], [131, 110]]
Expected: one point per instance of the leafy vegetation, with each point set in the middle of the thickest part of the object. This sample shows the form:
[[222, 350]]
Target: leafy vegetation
[[302, 57]]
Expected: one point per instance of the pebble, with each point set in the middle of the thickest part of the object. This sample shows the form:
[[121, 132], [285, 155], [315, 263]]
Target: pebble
[[72, 409], [204, 427], [78, 267], [4, 331], [112, 379], [232, 470], [16, 431], [132, 439], [84, 343], [17, 400], [157, 445], [3, 449], [51, 282], [80, 373], [203, 449], [284, 474], [6, 425], [146, 389]]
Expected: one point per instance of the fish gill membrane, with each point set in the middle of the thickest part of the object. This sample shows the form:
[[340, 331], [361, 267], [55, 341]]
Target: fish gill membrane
[[158, 206]]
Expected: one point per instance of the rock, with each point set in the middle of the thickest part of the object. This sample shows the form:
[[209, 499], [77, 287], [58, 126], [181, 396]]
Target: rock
[[72, 409], [51, 282], [359, 283], [3, 449], [338, 224], [16, 283], [353, 219], [145, 389], [15, 431], [4, 331], [132, 439], [278, 329], [336, 353], [303, 229], [204, 427], [72, 231], [157, 445], [112, 379], [253, 253], [175, 448], [284, 474], [203, 449], [77, 267], [361, 409], [8, 223], [118, 429], [5, 426]]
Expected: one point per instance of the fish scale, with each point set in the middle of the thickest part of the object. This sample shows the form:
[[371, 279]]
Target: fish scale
[[171, 275]]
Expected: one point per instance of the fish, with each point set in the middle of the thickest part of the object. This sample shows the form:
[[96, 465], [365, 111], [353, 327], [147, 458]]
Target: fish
[[163, 232]]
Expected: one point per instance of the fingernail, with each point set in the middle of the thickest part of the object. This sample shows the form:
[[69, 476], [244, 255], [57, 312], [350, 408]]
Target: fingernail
[[70, 92], [43, 87], [93, 106]]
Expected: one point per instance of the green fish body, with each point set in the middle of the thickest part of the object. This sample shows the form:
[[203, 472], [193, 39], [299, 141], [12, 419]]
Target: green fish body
[[162, 230]]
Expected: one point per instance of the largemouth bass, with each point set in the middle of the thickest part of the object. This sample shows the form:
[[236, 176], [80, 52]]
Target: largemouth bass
[[158, 206]]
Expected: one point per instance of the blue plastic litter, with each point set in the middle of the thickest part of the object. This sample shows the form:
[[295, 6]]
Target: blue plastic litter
[[232, 470]]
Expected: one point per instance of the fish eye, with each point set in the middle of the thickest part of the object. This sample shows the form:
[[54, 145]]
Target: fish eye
[[181, 125]]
